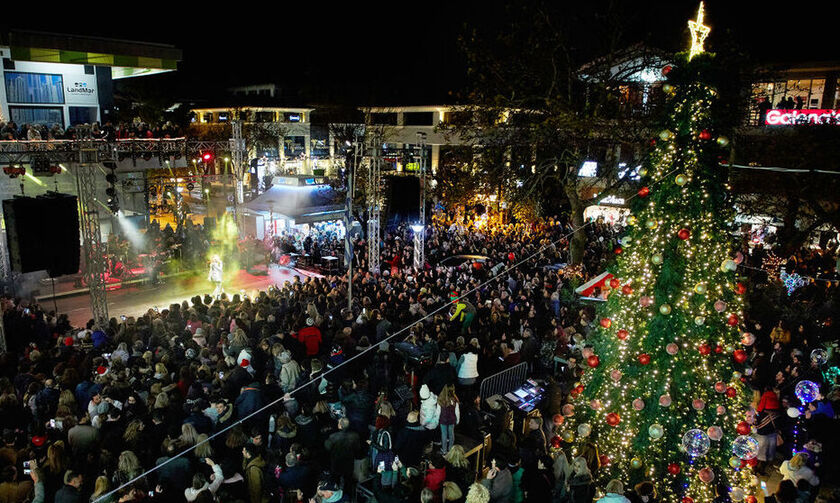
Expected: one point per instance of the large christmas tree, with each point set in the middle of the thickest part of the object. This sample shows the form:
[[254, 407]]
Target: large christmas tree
[[662, 397]]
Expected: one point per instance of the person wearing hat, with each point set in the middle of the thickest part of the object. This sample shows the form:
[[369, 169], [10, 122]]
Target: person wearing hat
[[310, 337], [199, 337], [289, 373]]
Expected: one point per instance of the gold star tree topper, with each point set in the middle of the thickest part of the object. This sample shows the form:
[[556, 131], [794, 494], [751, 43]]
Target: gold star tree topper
[[699, 32]]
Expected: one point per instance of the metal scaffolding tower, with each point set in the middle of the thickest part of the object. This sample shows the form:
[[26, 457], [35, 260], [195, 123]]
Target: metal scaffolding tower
[[374, 202], [87, 170], [237, 155], [420, 227]]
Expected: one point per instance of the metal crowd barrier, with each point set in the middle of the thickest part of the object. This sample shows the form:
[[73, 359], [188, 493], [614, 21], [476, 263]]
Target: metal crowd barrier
[[504, 381]]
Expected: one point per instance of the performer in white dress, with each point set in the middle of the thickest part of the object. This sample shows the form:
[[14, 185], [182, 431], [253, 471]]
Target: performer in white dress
[[215, 275]]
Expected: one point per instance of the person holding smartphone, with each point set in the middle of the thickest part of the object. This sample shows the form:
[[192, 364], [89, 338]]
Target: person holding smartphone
[[499, 480]]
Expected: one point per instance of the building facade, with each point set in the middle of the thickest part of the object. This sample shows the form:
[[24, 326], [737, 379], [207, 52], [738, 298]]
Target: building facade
[[51, 79]]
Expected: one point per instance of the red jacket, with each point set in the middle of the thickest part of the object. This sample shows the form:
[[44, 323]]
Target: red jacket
[[769, 401], [311, 338], [434, 479]]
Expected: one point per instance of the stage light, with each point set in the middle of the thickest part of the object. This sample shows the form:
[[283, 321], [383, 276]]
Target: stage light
[[417, 228]]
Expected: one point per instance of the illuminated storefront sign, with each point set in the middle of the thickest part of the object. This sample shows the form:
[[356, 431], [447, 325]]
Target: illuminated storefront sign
[[807, 116]]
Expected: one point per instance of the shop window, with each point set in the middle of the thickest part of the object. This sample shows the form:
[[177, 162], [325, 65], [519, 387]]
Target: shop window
[[264, 117]]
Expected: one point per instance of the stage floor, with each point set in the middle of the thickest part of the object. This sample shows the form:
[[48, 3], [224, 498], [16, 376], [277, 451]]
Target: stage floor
[[136, 300]]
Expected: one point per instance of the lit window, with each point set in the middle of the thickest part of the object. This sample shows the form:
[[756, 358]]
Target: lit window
[[632, 175], [588, 170]]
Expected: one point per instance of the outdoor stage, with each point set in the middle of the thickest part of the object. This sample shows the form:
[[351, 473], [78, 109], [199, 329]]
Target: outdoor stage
[[136, 300]]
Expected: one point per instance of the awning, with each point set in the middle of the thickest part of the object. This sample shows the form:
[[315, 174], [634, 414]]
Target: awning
[[303, 204], [598, 281]]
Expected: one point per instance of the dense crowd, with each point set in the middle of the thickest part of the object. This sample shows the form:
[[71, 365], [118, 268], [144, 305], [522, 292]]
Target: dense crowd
[[108, 131], [294, 393]]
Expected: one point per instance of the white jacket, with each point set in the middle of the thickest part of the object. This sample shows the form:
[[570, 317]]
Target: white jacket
[[429, 411], [796, 475], [468, 366], [191, 494]]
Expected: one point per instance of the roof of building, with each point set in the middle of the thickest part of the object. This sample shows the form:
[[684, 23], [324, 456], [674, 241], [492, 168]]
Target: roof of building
[[127, 58]]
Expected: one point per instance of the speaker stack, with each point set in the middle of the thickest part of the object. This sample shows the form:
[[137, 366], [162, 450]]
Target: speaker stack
[[42, 233]]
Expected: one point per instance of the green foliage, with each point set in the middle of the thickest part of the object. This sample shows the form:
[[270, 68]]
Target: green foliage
[[702, 207]]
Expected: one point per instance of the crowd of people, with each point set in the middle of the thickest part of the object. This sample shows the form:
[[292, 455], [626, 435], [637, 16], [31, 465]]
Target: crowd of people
[[122, 131], [294, 394]]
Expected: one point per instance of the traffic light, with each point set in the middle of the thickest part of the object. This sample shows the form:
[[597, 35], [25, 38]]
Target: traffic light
[[207, 157]]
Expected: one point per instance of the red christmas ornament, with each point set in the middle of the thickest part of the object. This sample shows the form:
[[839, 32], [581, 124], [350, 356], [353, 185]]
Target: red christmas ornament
[[574, 393], [743, 428], [613, 419], [674, 468], [644, 192], [740, 289], [579, 388], [644, 358], [622, 334], [739, 355], [604, 459], [627, 290], [705, 135], [556, 441], [732, 320], [731, 392], [684, 234], [743, 378], [606, 322], [750, 499], [593, 361], [666, 70], [618, 250], [614, 283], [653, 142], [718, 349], [687, 499], [704, 349]]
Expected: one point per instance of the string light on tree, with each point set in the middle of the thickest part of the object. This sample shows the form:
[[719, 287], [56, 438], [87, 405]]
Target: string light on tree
[[667, 346]]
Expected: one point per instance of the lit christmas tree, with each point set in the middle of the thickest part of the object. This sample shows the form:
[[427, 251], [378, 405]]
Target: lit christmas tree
[[663, 397]]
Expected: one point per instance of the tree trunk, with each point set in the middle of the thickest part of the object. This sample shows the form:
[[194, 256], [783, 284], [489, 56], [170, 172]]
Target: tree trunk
[[578, 241]]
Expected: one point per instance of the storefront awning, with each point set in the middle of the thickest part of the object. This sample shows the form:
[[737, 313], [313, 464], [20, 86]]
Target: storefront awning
[[303, 204]]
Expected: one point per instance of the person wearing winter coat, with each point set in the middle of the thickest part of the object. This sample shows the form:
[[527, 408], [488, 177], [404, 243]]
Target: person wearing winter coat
[[252, 468], [581, 485], [428, 409], [468, 368], [382, 453], [796, 469], [289, 372], [614, 493], [200, 482], [449, 414], [538, 482], [410, 440], [499, 482]]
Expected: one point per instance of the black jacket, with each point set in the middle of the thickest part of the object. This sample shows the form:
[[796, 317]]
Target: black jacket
[[409, 444]]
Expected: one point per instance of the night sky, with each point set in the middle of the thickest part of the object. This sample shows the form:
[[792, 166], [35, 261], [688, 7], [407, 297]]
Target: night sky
[[400, 52]]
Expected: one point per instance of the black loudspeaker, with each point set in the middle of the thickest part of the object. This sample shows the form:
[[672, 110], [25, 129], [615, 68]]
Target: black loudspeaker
[[24, 234], [62, 217], [403, 199], [43, 233]]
